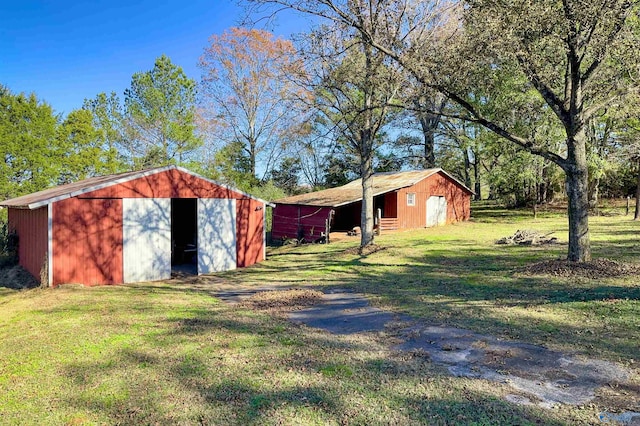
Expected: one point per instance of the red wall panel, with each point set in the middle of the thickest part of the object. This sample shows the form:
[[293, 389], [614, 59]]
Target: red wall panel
[[87, 230], [390, 204], [169, 184], [32, 227], [87, 241], [458, 201], [250, 234], [288, 219], [176, 184]]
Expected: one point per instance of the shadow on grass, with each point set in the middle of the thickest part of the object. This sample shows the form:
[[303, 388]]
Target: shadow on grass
[[168, 380], [476, 288], [218, 363]]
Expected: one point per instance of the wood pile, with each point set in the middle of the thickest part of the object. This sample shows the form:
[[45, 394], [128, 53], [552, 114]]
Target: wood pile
[[528, 238]]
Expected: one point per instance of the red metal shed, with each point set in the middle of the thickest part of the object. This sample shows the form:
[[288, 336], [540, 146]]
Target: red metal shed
[[410, 199], [136, 226]]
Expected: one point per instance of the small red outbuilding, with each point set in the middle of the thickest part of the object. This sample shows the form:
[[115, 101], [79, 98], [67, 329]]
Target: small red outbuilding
[[402, 200], [136, 226]]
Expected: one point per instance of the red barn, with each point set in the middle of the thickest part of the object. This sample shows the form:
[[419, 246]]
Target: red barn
[[402, 200], [136, 226]]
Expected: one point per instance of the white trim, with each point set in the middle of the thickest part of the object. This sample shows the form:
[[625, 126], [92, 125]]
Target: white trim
[[411, 199], [100, 186], [138, 176], [50, 245]]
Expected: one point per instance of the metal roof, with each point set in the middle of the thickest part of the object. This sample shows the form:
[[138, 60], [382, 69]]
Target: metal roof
[[352, 192], [48, 196]]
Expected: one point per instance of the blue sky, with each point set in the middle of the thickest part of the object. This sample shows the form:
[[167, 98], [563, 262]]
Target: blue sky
[[66, 51]]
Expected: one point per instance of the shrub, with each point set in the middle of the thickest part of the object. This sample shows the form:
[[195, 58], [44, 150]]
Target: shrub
[[8, 246]]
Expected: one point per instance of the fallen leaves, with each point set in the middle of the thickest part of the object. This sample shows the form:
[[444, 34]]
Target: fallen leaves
[[278, 299], [599, 268]]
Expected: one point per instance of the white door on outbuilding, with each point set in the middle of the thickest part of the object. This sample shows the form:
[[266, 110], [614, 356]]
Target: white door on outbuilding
[[146, 229], [436, 211], [216, 235]]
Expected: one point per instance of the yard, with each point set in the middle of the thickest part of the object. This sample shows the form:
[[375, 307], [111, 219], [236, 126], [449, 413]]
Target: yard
[[173, 353]]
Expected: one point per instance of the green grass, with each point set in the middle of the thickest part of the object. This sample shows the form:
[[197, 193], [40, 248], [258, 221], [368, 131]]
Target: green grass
[[171, 353]]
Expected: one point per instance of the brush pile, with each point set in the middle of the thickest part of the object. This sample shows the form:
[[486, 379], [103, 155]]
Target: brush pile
[[528, 238]]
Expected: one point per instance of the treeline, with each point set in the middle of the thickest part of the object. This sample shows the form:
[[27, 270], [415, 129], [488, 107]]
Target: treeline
[[162, 123], [265, 121], [40, 148], [521, 112]]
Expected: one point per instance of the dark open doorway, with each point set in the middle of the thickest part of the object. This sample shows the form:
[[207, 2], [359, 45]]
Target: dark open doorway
[[184, 235]]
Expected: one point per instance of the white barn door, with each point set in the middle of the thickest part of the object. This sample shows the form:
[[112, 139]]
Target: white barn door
[[146, 229], [436, 211], [216, 235]]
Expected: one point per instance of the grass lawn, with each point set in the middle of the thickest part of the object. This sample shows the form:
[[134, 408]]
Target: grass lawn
[[171, 353]]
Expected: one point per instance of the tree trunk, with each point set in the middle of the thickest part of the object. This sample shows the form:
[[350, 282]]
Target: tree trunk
[[577, 183], [467, 167], [595, 196], [542, 199], [366, 214], [636, 215], [428, 132], [252, 163], [476, 179], [429, 123]]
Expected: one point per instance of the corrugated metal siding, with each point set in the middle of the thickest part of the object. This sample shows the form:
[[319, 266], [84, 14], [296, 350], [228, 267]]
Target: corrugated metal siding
[[87, 231], [146, 252], [32, 227], [87, 241], [168, 184], [175, 184], [289, 219], [458, 201], [390, 205], [250, 231], [217, 236]]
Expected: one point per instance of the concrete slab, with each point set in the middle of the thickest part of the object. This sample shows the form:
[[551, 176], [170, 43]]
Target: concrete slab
[[344, 313], [548, 377]]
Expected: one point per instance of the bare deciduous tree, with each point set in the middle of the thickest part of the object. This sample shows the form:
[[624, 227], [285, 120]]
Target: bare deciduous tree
[[248, 93], [354, 86], [577, 56]]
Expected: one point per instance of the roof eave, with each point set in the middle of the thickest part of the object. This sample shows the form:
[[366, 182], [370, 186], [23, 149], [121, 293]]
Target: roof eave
[[142, 174], [182, 169], [344, 203], [100, 186]]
